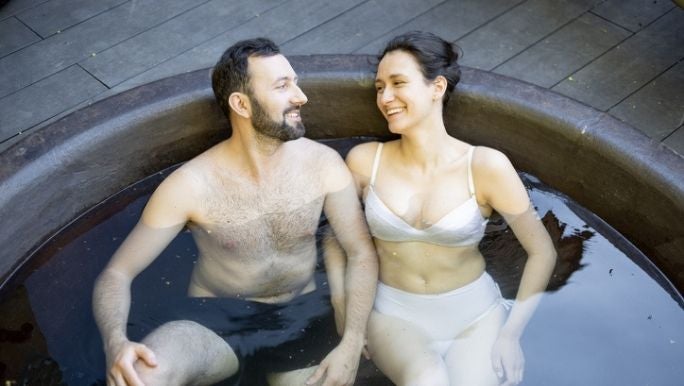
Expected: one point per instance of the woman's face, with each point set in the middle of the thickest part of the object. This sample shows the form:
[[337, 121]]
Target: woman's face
[[404, 97]]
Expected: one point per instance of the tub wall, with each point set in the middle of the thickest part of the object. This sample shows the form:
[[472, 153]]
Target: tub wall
[[55, 174]]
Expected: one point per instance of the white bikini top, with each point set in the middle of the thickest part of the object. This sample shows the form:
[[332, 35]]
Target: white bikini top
[[462, 226]]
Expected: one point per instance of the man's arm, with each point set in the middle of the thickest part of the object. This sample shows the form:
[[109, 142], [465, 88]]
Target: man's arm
[[163, 217], [343, 210], [335, 268]]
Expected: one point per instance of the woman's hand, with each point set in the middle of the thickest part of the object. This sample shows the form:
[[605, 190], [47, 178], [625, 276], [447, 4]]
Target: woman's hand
[[508, 360]]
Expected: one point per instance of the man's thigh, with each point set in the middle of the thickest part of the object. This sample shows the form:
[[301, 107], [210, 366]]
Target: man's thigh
[[292, 352]]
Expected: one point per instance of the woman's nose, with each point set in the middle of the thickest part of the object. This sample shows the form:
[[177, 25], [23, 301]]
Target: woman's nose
[[386, 95]]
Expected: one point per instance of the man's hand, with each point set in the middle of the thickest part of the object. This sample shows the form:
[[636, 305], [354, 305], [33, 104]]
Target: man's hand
[[120, 368], [508, 360], [339, 367]]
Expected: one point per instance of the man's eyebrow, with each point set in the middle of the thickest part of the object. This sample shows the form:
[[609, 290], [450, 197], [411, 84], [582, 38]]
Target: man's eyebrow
[[286, 78]]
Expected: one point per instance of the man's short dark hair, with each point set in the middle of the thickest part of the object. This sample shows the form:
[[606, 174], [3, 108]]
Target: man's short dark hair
[[231, 71]]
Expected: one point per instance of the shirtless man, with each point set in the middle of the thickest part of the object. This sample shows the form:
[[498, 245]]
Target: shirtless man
[[253, 204]]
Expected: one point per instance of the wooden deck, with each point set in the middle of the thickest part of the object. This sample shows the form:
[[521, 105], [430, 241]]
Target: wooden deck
[[625, 57]]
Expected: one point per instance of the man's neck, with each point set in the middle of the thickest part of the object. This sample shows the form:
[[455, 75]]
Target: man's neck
[[256, 154]]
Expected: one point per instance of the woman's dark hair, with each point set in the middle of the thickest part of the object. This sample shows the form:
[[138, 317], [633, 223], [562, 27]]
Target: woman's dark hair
[[435, 56], [231, 74]]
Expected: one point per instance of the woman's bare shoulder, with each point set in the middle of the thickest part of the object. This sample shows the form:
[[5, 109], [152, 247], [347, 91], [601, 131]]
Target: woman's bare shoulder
[[360, 157], [489, 160]]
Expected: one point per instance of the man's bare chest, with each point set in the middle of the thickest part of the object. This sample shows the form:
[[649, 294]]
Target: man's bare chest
[[268, 216]]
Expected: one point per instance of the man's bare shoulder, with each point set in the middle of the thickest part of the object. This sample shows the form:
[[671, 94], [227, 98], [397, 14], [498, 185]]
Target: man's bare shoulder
[[315, 155], [173, 201], [189, 178], [314, 148], [199, 166]]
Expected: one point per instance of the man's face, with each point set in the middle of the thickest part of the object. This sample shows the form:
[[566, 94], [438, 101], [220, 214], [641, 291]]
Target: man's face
[[275, 98]]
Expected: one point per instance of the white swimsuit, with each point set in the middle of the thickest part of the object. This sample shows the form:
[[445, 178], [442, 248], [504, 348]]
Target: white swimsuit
[[462, 226], [442, 316]]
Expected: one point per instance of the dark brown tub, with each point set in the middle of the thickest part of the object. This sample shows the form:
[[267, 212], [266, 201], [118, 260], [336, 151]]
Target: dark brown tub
[[58, 172]]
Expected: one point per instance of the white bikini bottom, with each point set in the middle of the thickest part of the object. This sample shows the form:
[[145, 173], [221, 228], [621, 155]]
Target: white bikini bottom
[[444, 316]]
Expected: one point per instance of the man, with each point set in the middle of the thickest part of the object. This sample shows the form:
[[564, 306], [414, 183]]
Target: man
[[253, 203]]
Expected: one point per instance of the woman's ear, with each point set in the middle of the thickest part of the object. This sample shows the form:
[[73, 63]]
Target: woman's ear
[[440, 84], [239, 102]]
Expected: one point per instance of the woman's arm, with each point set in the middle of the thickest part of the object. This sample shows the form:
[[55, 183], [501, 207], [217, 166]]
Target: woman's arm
[[499, 186]]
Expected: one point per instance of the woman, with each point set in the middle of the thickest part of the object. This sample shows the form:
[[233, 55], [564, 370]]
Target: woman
[[439, 318]]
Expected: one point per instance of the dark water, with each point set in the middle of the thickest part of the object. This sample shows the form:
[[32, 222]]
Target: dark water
[[609, 317]]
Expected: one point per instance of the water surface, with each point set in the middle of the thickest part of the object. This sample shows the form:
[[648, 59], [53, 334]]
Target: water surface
[[609, 318]]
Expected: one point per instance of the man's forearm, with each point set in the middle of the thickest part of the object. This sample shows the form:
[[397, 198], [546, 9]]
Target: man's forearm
[[361, 282], [335, 267], [111, 304]]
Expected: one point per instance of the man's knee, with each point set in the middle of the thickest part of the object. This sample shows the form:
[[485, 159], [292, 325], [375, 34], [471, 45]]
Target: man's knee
[[186, 350], [166, 344], [159, 375], [176, 329]]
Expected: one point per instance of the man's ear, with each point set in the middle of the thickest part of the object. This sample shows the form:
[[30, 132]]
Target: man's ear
[[239, 102], [440, 83]]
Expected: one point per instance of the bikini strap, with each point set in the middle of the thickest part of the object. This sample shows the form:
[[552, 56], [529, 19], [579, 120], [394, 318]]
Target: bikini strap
[[471, 184], [376, 163]]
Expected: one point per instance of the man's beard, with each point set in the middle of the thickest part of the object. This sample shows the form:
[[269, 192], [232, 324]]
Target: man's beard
[[268, 127]]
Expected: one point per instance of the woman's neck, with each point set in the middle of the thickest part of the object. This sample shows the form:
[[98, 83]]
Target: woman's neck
[[425, 146]]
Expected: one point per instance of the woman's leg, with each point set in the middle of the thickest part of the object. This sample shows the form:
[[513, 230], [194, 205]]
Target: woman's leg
[[401, 350], [294, 377], [187, 353], [469, 358]]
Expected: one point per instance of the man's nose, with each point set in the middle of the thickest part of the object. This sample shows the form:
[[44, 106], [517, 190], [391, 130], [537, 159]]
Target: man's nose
[[299, 97]]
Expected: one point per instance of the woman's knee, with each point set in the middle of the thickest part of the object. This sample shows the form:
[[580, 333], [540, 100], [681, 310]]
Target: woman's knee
[[426, 376]]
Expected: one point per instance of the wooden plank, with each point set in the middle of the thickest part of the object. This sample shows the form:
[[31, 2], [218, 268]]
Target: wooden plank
[[450, 20], [45, 99], [275, 23], [514, 31], [633, 14], [15, 6], [60, 51], [357, 27], [565, 51], [676, 141], [15, 36], [630, 65], [57, 15], [171, 38], [658, 108]]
